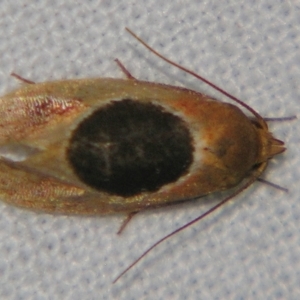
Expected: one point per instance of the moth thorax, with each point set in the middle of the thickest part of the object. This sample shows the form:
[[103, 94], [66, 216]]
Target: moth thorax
[[129, 147]]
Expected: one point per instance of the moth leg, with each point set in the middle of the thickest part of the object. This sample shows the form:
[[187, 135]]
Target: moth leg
[[124, 70], [274, 185], [22, 78], [126, 221]]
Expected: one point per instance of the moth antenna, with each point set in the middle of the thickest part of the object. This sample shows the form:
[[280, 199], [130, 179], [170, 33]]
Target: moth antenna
[[260, 119], [253, 178]]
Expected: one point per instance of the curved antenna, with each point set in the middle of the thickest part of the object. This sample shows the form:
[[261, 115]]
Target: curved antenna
[[253, 178], [259, 118]]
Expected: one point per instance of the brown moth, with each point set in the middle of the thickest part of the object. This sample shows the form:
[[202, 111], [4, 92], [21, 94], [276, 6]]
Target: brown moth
[[104, 145]]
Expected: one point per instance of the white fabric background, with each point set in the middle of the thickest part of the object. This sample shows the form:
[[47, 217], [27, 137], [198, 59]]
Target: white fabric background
[[248, 250]]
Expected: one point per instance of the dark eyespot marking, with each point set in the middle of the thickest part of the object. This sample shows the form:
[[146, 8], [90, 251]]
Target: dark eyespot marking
[[128, 147]]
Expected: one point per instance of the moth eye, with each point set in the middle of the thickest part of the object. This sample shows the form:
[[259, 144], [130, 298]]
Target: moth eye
[[128, 147]]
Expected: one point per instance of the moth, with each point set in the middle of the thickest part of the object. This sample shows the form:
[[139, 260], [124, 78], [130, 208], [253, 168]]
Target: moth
[[104, 145]]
